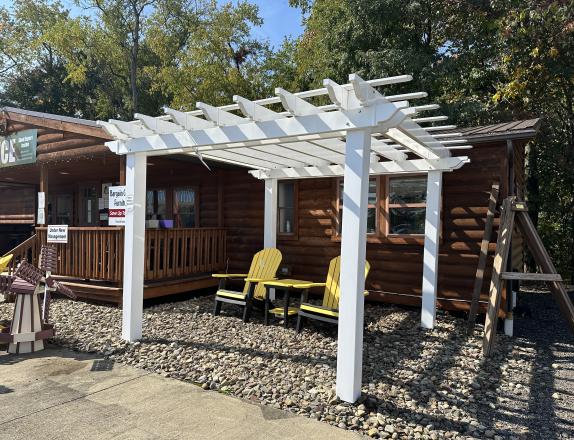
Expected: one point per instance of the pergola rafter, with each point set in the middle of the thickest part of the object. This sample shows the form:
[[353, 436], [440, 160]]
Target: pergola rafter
[[361, 133]]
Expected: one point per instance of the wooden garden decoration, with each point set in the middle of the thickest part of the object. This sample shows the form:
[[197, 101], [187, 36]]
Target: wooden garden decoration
[[29, 326]]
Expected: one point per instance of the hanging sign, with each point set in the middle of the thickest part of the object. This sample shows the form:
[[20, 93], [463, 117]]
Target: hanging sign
[[117, 209], [57, 234], [41, 217], [18, 148]]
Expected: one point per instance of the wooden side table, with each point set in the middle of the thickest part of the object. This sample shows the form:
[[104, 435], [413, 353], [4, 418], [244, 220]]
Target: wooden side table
[[286, 311]]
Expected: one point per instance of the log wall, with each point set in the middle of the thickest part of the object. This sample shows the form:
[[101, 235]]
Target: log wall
[[396, 267]]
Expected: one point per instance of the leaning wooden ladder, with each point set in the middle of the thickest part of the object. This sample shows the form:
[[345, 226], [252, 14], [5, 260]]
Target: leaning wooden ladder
[[514, 209]]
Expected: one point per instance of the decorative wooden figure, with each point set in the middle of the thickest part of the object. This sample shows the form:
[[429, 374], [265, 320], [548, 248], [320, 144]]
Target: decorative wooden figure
[[29, 326]]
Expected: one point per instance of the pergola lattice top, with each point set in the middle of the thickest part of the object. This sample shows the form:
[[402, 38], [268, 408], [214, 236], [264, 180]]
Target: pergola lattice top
[[305, 140]]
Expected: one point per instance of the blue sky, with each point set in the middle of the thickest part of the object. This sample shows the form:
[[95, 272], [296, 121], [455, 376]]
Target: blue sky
[[279, 19]]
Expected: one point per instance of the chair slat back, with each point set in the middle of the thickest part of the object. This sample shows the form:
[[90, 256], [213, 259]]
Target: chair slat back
[[4, 261], [264, 265], [332, 291]]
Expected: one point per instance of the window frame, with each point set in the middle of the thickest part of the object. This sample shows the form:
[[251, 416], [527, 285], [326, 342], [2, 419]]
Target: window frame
[[175, 214], [295, 234], [156, 200], [382, 234], [376, 206], [389, 205]]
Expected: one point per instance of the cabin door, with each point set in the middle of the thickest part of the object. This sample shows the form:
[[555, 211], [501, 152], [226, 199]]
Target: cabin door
[[89, 210]]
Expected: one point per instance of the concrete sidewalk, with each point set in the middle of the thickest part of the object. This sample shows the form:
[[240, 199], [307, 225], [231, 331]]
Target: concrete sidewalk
[[59, 394]]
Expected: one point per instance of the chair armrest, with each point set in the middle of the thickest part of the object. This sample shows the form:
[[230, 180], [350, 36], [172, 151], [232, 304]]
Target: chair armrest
[[229, 275], [309, 285], [259, 280]]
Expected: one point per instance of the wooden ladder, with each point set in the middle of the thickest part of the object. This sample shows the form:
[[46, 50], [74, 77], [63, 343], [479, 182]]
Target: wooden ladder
[[513, 209]]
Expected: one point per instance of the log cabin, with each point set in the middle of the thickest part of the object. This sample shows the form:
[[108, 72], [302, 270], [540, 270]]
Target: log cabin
[[212, 214]]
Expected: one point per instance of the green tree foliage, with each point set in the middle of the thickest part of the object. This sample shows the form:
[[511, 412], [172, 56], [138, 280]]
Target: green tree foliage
[[32, 72], [484, 61], [206, 53], [536, 56]]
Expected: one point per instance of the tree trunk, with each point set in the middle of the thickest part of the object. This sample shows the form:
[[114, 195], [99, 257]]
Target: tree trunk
[[533, 193], [134, 57]]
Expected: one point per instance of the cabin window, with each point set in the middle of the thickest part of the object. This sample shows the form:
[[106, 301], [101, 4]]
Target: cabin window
[[286, 208], [372, 224], [186, 207], [406, 205], [396, 206], [156, 204]]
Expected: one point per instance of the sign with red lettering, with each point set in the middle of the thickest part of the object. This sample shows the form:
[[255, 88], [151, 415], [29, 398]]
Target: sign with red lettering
[[117, 209]]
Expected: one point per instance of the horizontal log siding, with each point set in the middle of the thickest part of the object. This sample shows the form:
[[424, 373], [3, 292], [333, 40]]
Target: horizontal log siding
[[395, 268]]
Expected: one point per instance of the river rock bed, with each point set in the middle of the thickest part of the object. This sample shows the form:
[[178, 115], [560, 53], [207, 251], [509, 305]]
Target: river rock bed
[[417, 384]]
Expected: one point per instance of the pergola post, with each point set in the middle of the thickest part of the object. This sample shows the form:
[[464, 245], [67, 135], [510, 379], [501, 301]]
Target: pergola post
[[431, 249], [270, 215], [353, 257], [134, 246]]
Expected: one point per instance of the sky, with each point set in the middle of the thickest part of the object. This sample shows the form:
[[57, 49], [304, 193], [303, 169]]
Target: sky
[[279, 19]]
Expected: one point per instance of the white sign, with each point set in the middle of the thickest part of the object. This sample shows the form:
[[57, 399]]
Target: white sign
[[41, 216], [41, 200], [117, 209], [57, 234]]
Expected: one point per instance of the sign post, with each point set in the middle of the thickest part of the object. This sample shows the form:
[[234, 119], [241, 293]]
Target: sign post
[[117, 209]]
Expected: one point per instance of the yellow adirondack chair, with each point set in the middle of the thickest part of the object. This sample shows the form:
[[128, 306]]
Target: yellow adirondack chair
[[329, 310], [5, 261], [263, 268]]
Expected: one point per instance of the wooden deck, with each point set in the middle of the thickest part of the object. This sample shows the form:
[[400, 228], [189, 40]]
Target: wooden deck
[[91, 263]]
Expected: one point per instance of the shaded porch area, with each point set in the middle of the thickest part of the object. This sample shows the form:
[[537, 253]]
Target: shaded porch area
[[91, 263]]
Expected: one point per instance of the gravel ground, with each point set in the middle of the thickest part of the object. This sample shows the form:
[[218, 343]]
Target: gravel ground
[[417, 383]]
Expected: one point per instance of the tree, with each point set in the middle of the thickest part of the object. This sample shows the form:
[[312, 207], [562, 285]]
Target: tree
[[124, 21], [206, 52], [32, 71], [536, 49]]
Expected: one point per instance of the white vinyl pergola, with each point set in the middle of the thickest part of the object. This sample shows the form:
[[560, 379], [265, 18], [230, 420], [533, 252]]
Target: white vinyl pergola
[[361, 133]]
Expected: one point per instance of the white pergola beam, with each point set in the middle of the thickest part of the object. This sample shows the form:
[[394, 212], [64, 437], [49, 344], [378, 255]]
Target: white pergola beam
[[353, 258], [270, 214], [431, 249], [405, 138], [325, 124], [377, 168], [254, 111], [158, 125], [134, 247], [295, 105], [188, 121], [218, 116]]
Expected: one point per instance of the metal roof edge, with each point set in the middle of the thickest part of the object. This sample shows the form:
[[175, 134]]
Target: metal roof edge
[[516, 135], [50, 116]]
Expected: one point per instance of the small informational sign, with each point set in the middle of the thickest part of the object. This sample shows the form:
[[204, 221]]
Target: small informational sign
[[117, 209], [57, 234], [41, 220], [41, 200], [18, 148]]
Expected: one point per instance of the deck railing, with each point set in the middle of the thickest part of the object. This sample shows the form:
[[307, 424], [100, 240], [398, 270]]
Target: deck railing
[[91, 253], [172, 253], [27, 250], [97, 252]]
